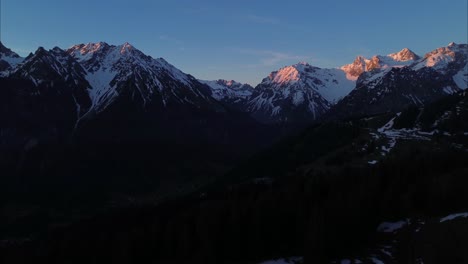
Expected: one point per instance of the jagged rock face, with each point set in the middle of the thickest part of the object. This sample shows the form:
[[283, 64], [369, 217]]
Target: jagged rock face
[[298, 93], [226, 90], [360, 65], [43, 98], [396, 89], [98, 90], [231, 93], [404, 55], [356, 68], [451, 61], [112, 69]]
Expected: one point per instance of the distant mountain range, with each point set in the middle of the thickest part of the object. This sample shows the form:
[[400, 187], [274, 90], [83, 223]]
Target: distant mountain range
[[73, 88], [303, 93]]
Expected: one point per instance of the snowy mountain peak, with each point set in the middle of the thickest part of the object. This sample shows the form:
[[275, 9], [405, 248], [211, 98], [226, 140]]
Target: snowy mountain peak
[[8, 59], [289, 74], [126, 48], [404, 55], [85, 49], [285, 75], [123, 69], [298, 93], [439, 59], [356, 68], [6, 52]]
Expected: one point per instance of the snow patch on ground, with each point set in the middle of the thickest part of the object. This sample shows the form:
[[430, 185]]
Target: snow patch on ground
[[388, 125], [386, 252], [449, 90], [453, 216], [391, 144], [377, 261], [292, 260], [390, 227], [276, 110]]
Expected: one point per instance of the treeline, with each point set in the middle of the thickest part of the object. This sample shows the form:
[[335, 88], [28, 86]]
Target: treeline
[[319, 214]]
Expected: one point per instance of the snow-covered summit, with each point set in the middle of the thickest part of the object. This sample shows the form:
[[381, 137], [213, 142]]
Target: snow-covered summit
[[404, 55], [451, 60], [332, 84], [110, 66], [441, 57], [300, 92]]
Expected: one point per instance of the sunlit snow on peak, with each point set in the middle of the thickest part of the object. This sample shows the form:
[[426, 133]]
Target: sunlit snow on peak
[[125, 48], [285, 75], [404, 55]]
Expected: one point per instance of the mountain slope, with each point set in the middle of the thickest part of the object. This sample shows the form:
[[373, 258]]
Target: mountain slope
[[114, 70], [43, 98], [438, 74], [8, 59], [231, 92], [391, 192], [298, 93]]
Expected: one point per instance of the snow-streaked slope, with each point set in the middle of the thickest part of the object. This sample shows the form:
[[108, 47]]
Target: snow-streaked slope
[[452, 60], [54, 85], [229, 90], [453, 216], [113, 68], [301, 92], [51, 66], [8, 59], [298, 93]]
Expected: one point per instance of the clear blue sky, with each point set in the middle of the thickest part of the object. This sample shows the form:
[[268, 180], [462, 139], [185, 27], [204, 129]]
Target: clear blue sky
[[240, 39]]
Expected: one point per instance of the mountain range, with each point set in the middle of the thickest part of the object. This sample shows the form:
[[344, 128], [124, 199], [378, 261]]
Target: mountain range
[[99, 76], [304, 93], [111, 152]]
